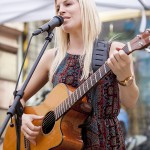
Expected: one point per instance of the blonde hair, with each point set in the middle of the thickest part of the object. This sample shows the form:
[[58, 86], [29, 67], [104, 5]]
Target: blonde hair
[[91, 28]]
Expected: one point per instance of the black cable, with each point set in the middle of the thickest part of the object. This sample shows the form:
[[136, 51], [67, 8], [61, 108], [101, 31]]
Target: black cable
[[15, 91]]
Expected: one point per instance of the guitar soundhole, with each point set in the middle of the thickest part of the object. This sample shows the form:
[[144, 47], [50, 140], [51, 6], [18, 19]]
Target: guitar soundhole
[[48, 122]]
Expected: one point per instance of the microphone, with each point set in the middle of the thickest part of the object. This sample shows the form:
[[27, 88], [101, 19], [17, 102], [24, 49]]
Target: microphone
[[56, 21]]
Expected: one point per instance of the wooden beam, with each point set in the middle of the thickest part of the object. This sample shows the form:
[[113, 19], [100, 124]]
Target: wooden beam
[[121, 14], [19, 27]]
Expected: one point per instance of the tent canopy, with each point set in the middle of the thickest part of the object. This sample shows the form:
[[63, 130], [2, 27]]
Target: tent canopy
[[34, 10]]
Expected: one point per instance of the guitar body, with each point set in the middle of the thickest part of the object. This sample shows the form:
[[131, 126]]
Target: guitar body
[[65, 133]]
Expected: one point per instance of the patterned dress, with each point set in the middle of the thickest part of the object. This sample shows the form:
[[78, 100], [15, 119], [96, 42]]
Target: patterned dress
[[103, 130]]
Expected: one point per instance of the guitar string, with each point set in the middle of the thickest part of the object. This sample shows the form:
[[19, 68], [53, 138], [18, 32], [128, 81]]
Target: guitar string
[[47, 118], [103, 70], [61, 108]]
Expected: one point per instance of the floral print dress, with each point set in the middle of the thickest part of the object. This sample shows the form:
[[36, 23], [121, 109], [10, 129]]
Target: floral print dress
[[103, 130]]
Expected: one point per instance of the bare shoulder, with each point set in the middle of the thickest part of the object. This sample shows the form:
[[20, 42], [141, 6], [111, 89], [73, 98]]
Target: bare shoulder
[[48, 57], [50, 54]]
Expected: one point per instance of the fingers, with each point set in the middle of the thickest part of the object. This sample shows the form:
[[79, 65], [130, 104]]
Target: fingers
[[32, 133], [31, 136], [33, 117], [119, 62], [29, 130]]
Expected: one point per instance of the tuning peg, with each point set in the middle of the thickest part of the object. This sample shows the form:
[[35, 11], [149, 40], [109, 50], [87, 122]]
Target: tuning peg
[[139, 36], [147, 49], [148, 30], [141, 44]]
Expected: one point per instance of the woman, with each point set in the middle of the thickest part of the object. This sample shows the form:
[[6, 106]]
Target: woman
[[70, 63]]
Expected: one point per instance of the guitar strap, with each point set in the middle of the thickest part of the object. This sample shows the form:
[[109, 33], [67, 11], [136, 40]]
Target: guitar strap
[[100, 53], [99, 56]]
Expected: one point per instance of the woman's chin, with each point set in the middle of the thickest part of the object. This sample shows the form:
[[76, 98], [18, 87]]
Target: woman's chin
[[66, 29]]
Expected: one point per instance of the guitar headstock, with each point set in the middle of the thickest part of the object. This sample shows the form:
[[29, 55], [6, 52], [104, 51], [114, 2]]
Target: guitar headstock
[[140, 42]]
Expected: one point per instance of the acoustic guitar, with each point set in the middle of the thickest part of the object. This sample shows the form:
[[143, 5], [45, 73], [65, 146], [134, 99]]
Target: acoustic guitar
[[65, 109]]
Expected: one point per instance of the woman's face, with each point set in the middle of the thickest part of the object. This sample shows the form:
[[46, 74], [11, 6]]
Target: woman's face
[[70, 11]]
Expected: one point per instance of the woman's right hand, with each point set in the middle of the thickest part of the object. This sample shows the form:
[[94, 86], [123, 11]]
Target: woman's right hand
[[29, 130]]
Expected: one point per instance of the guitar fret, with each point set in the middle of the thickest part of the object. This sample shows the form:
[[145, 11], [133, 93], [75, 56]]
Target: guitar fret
[[95, 77], [59, 110], [55, 112], [100, 73], [129, 47], [79, 91], [61, 107], [64, 107], [87, 84], [75, 95], [68, 103], [71, 99], [83, 88], [91, 81], [105, 68]]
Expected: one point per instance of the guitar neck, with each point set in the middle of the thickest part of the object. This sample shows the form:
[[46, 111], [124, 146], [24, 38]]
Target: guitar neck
[[84, 88], [81, 90]]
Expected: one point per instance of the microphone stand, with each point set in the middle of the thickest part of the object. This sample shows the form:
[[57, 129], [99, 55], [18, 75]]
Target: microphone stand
[[17, 108]]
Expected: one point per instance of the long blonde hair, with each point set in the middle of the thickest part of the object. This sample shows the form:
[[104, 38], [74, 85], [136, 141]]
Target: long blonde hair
[[91, 27]]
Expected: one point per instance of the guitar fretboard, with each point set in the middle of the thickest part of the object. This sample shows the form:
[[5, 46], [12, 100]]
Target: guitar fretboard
[[83, 89]]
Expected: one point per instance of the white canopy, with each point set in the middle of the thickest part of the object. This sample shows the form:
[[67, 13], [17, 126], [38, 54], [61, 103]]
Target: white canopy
[[32, 10]]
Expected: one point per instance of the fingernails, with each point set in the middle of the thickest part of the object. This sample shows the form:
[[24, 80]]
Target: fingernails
[[117, 48]]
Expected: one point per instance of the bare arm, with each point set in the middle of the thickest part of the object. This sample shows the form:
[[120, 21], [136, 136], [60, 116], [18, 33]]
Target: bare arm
[[37, 81], [40, 75], [122, 66]]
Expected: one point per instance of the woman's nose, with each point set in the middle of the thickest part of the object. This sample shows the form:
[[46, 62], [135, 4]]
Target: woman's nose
[[61, 10]]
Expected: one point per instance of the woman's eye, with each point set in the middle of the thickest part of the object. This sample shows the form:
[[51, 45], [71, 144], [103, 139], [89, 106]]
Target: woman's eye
[[57, 10], [68, 4]]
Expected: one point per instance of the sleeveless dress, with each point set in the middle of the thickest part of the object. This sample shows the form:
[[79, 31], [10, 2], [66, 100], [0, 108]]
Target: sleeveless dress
[[103, 130]]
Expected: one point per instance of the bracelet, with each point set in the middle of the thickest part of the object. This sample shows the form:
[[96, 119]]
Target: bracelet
[[127, 81]]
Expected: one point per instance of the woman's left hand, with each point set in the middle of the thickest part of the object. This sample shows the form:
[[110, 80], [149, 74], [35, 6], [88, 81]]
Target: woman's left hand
[[120, 63]]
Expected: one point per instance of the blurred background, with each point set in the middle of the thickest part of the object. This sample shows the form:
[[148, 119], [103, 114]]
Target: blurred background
[[121, 20]]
